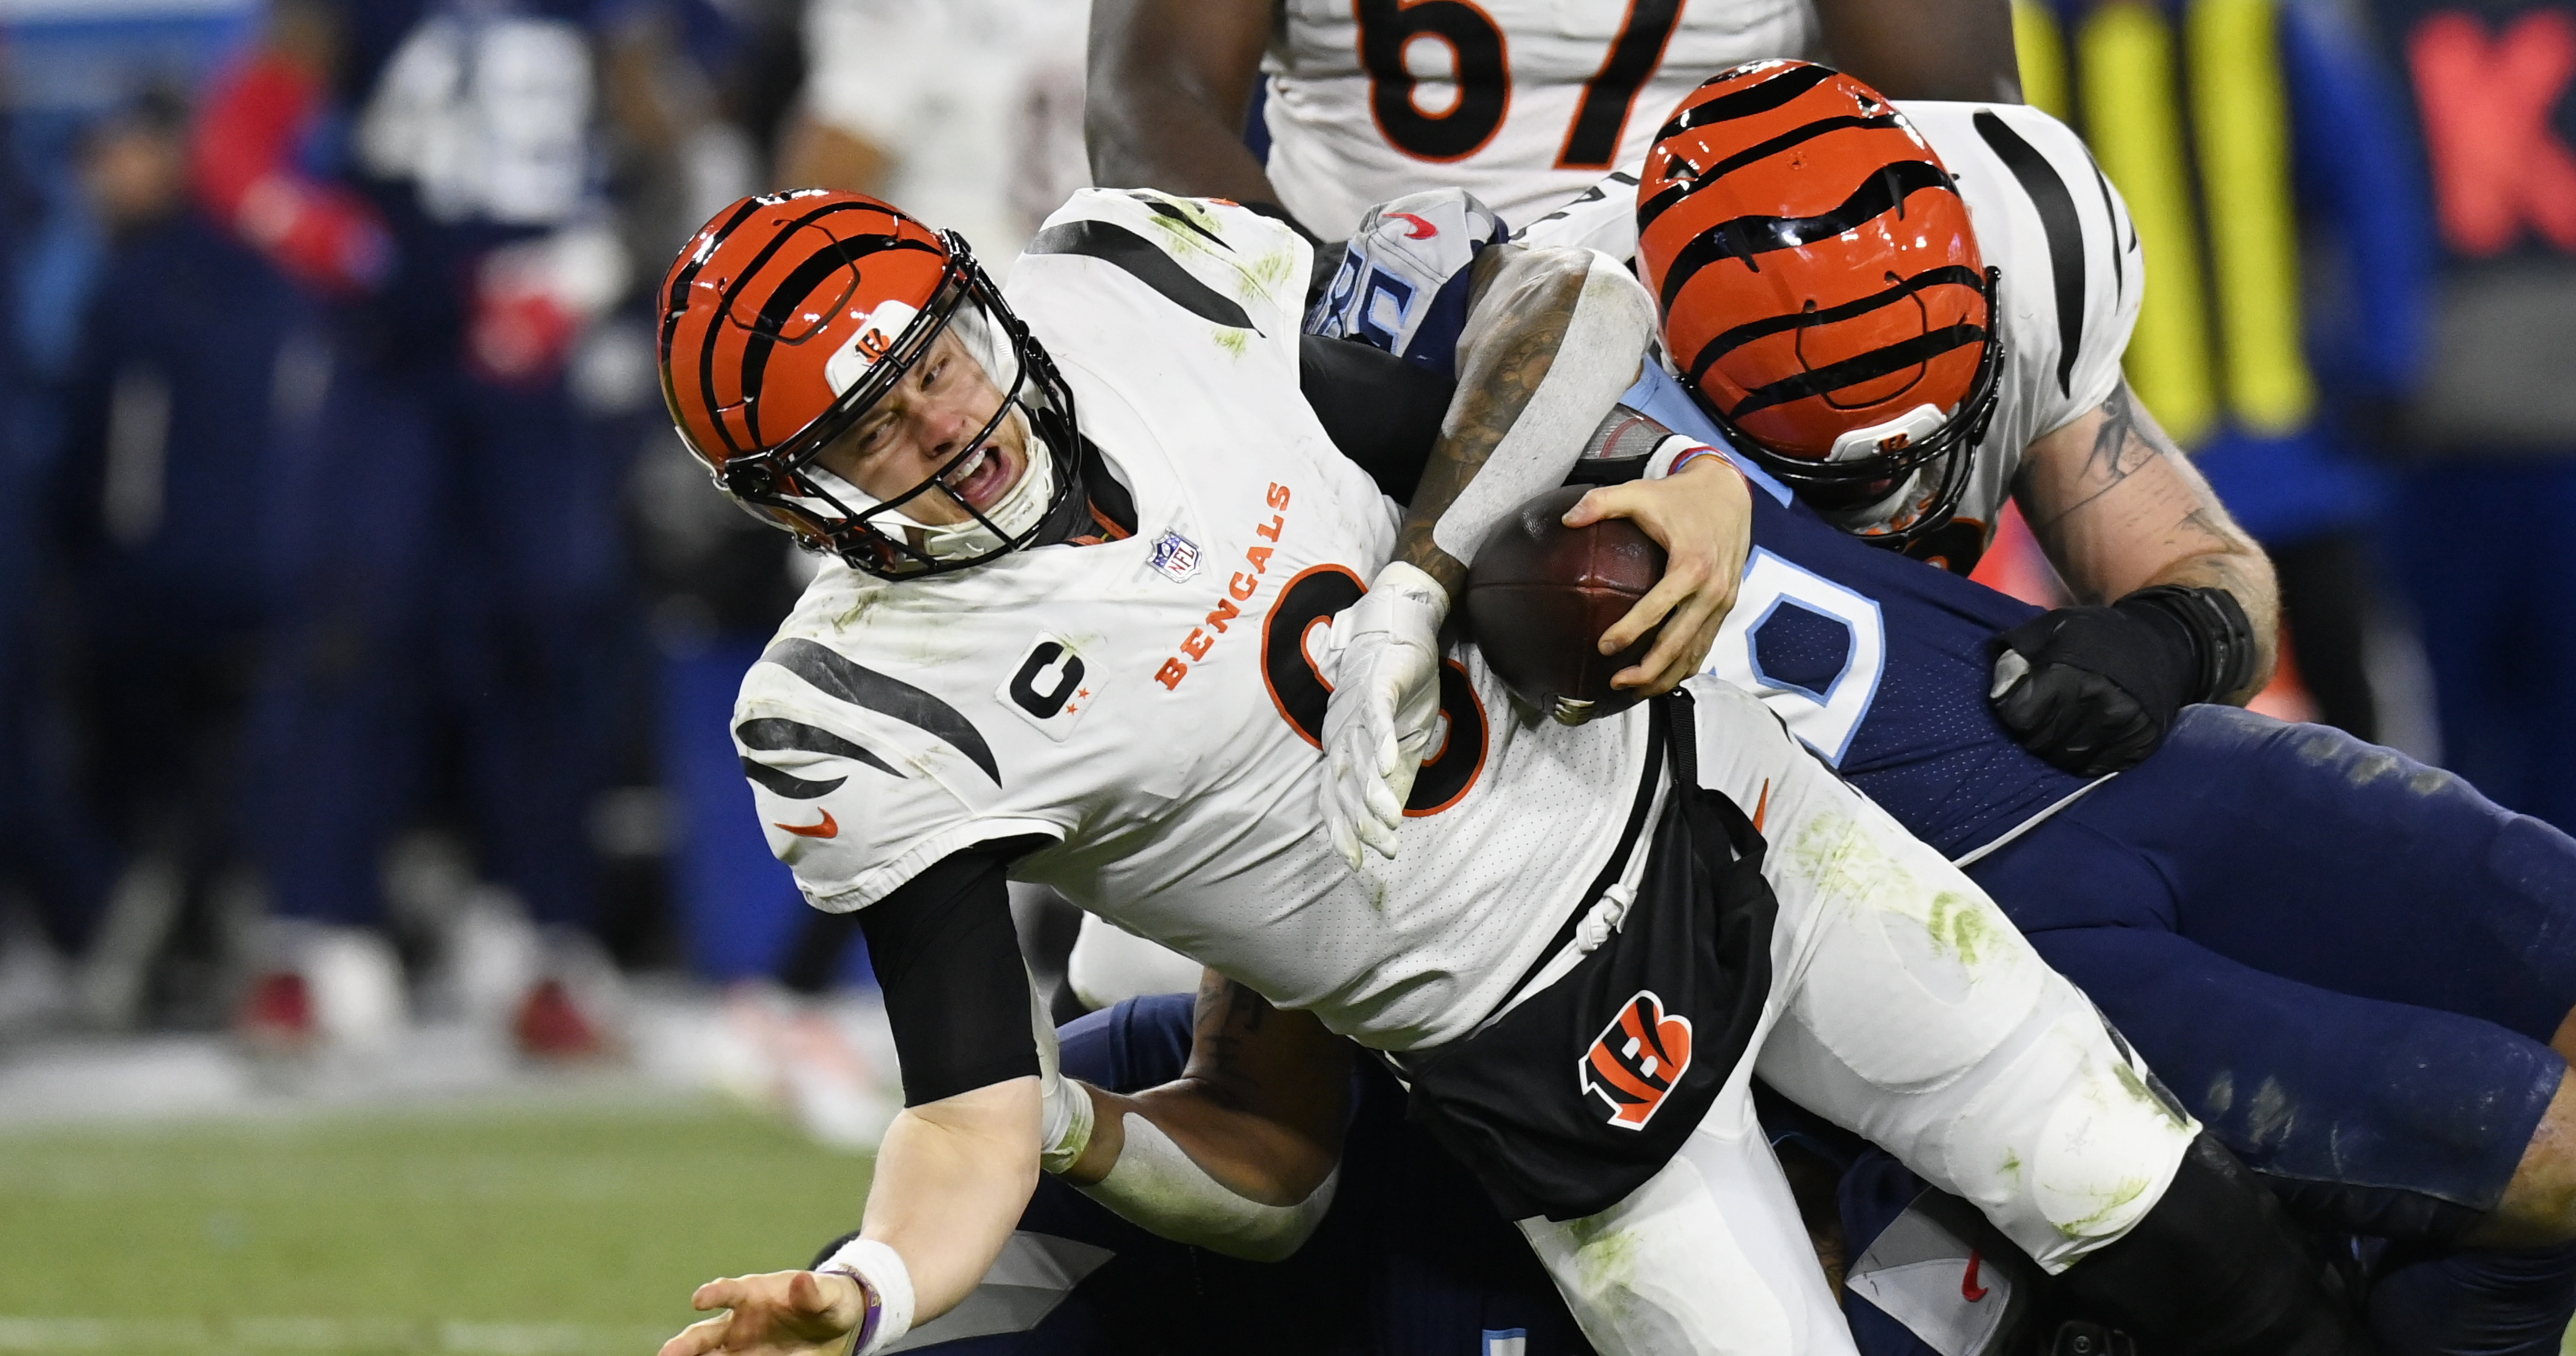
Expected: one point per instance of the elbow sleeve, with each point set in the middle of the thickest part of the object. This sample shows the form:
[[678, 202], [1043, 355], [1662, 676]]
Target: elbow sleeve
[[1605, 340], [956, 993], [1156, 1185]]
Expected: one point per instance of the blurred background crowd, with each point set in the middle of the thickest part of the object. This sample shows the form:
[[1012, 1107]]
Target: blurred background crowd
[[367, 637]]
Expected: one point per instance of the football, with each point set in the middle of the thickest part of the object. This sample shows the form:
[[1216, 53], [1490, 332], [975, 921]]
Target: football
[[1540, 594]]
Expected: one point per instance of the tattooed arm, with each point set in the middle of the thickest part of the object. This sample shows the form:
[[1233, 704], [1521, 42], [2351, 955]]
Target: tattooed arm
[[1552, 338], [1239, 1152], [2119, 508]]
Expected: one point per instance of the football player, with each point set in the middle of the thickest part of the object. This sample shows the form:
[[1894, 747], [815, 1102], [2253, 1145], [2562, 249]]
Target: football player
[[2272, 912], [1537, 97], [1097, 652], [1882, 402]]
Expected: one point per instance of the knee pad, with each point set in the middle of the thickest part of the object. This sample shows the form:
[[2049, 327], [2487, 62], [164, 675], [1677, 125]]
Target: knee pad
[[2215, 1269], [2061, 1139]]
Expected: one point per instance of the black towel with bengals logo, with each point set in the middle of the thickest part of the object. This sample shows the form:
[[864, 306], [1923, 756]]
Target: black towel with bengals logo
[[1571, 1100]]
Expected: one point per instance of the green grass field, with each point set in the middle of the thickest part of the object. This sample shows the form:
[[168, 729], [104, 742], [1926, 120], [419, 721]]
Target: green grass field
[[491, 1232], [515, 1231]]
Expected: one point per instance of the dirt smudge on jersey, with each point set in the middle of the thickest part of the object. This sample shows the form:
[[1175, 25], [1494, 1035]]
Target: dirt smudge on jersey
[[863, 603], [1269, 273], [1838, 853], [2222, 1093], [2272, 1116], [1961, 924], [2129, 1189], [2372, 766], [1605, 1258], [1235, 342]]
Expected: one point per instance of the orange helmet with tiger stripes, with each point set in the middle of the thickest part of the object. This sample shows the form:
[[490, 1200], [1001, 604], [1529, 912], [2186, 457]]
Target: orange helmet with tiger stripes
[[788, 315], [1823, 296]]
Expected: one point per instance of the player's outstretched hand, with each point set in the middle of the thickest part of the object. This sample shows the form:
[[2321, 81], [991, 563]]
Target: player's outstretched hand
[[1703, 518], [780, 1313], [1385, 704]]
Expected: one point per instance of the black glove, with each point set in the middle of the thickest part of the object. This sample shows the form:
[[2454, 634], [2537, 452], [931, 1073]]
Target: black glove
[[2093, 689]]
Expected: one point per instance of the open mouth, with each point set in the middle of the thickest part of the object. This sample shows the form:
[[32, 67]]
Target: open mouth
[[981, 480]]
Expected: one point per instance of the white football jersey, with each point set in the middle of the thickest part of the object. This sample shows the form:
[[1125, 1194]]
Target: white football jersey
[[1521, 102], [1153, 705], [2046, 219]]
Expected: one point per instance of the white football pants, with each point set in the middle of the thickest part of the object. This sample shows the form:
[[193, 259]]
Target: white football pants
[[1905, 1007]]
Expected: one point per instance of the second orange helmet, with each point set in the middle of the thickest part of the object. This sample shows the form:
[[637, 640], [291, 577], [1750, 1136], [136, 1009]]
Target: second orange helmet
[[1822, 291]]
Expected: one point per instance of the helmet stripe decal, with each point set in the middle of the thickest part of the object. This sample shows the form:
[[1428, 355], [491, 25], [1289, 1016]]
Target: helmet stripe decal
[[1953, 274], [793, 291], [1744, 103], [1744, 237], [1656, 206], [2065, 234], [1869, 366], [1115, 244], [733, 290], [675, 305], [836, 675], [788, 785], [776, 734]]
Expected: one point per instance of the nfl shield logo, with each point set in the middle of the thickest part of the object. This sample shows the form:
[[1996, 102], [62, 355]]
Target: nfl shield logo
[[1176, 556]]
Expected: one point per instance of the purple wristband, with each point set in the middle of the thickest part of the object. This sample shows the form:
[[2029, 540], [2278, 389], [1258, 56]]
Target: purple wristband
[[876, 1305]]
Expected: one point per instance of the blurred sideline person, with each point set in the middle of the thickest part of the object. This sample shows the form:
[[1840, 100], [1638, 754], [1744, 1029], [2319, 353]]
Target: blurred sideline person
[[859, 380], [55, 863], [462, 244], [168, 427], [1526, 105], [2488, 428]]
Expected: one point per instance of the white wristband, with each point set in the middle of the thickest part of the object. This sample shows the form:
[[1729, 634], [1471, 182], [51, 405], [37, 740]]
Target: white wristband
[[886, 1285]]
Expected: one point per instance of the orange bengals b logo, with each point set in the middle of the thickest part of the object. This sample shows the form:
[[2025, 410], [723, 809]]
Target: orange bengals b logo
[[1636, 1060]]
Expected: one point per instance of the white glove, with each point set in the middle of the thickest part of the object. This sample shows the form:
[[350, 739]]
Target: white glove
[[1384, 708]]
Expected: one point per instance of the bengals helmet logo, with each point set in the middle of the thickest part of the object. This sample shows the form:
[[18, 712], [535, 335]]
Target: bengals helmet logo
[[1636, 1060]]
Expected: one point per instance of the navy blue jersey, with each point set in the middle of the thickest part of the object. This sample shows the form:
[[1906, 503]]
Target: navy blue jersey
[[1879, 662]]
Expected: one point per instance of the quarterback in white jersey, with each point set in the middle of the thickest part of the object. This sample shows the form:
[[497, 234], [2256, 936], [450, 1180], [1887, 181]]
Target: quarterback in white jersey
[[1101, 652], [1522, 102]]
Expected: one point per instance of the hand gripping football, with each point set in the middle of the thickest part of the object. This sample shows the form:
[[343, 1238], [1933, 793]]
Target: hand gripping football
[[1539, 595]]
